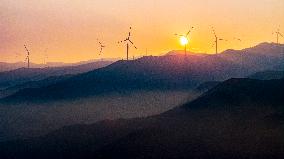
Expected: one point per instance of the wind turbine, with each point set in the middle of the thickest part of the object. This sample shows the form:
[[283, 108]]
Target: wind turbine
[[216, 40], [28, 56], [184, 39], [101, 47], [128, 41], [277, 35]]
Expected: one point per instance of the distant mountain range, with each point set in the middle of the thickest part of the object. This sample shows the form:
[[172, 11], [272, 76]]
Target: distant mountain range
[[4, 66], [239, 118], [23, 77], [16, 86], [160, 72]]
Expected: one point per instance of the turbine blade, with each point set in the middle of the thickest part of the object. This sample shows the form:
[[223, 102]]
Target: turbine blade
[[188, 32], [130, 42], [280, 34], [178, 35]]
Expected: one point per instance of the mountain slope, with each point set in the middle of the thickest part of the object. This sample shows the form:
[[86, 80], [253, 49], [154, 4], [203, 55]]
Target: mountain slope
[[4, 66], [267, 75], [148, 73], [163, 72], [22, 75], [32, 84], [265, 55], [203, 87], [240, 118]]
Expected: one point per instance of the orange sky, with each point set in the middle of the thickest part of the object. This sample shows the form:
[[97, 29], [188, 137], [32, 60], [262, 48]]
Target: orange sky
[[69, 28]]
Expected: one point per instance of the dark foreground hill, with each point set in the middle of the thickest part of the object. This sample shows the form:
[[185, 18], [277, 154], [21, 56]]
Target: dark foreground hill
[[203, 87], [239, 118]]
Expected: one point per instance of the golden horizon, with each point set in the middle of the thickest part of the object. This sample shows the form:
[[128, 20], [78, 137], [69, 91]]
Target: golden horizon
[[67, 30]]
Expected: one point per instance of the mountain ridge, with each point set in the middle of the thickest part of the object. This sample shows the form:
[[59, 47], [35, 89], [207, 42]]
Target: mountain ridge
[[198, 129], [158, 72]]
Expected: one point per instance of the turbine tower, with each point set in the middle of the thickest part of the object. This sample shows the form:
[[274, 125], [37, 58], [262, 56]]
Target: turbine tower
[[216, 40], [28, 56], [184, 39], [277, 35], [128, 42]]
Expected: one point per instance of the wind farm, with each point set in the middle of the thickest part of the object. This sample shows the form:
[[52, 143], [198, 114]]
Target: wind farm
[[142, 79]]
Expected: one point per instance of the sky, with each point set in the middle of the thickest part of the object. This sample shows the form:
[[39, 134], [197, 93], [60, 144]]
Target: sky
[[67, 30]]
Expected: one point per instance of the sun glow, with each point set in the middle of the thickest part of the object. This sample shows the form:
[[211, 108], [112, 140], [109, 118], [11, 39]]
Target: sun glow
[[183, 40]]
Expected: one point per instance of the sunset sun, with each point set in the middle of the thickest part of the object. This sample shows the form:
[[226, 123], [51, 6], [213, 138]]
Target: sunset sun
[[183, 40]]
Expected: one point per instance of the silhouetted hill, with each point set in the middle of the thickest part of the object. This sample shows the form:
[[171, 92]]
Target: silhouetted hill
[[265, 55], [267, 75], [33, 84], [22, 75], [147, 73], [203, 87], [267, 49], [239, 118], [5, 66], [240, 91], [160, 72]]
